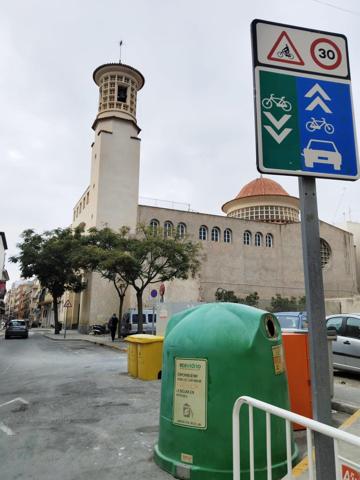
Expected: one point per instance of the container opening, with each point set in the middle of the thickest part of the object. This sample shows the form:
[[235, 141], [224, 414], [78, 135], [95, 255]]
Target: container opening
[[270, 327]]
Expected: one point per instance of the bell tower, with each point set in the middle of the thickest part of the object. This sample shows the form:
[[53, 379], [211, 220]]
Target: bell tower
[[111, 200], [116, 148]]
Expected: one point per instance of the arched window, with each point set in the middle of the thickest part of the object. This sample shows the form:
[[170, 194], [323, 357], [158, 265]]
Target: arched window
[[203, 232], [325, 252], [154, 226], [258, 239], [181, 230], [247, 237], [227, 235], [168, 229], [215, 234], [269, 241]]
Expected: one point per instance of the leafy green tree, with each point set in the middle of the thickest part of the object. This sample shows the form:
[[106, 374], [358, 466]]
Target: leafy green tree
[[222, 295], [107, 253], [53, 258], [140, 260], [283, 304]]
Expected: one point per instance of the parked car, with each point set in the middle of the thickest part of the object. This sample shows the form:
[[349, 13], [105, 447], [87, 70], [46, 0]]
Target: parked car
[[16, 328], [292, 320], [346, 348]]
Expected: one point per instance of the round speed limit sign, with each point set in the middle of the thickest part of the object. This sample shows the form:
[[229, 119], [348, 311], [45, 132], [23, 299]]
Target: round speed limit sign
[[325, 53]]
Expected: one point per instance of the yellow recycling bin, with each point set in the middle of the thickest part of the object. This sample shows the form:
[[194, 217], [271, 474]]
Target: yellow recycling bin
[[145, 356]]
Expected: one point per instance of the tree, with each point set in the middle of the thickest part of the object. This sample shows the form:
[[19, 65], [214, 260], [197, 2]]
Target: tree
[[106, 252], [222, 295], [53, 258], [284, 304], [142, 259]]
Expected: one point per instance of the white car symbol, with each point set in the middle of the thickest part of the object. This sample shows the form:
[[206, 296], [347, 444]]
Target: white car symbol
[[322, 151]]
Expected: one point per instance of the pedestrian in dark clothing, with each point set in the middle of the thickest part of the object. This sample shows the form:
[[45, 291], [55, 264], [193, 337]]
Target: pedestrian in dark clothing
[[112, 325]]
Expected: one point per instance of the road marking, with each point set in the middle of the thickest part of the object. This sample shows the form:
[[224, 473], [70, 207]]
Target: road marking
[[6, 429], [277, 123], [17, 399], [278, 138]]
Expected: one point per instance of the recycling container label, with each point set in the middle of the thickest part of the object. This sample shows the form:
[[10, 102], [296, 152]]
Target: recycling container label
[[190, 393]]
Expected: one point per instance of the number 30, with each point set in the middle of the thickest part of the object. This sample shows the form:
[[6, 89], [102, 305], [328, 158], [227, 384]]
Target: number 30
[[330, 54]]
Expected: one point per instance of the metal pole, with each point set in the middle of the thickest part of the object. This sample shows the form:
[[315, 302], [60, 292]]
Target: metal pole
[[153, 316], [65, 320], [315, 306]]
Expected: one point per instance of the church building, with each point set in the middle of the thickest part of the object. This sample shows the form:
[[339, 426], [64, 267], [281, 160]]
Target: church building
[[255, 245]]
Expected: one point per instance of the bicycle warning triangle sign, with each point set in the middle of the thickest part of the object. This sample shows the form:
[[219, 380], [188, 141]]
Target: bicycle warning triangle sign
[[285, 51]]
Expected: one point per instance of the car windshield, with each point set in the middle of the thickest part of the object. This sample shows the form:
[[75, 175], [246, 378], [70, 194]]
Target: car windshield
[[322, 145], [288, 321], [17, 323]]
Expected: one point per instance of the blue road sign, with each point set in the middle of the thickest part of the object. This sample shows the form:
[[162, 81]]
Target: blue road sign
[[305, 125], [327, 137]]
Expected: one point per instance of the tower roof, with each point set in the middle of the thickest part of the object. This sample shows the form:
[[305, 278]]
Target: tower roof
[[110, 67], [261, 186]]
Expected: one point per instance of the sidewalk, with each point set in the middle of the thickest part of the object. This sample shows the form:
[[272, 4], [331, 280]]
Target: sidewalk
[[104, 340], [350, 452]]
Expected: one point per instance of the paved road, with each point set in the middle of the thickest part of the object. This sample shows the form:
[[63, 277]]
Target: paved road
[[86, 419]]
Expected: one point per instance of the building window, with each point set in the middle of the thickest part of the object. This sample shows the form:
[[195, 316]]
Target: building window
[[154, 226], [181, 230], [121, 94], [227, 235], [258, 239], [247, 237], [203, 232], [87, 197], [215, 234], [269, 241], [325, 252], [168, 229]]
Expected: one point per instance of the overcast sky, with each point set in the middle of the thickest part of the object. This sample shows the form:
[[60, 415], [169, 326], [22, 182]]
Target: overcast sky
[[195, 110]]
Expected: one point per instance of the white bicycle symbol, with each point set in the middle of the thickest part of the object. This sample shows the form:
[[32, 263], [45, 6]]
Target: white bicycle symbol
[[278, 101], [314, 124]]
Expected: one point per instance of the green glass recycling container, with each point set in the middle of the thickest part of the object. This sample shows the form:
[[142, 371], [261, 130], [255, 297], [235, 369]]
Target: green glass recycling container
[[212, 355]]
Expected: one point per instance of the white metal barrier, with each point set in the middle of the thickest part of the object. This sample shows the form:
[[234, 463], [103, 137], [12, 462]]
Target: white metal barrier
[[289, 417]]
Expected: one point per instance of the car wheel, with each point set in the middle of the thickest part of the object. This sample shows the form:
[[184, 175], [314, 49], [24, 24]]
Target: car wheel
[[7, 337]]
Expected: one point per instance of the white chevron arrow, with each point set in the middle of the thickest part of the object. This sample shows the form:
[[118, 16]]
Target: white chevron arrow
[[278, 137], [277, 123], [318, 101], [317, 89]]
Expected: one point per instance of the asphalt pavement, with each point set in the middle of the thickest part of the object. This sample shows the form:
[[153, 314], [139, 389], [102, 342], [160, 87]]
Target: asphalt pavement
[[71, 411], [80, 416]]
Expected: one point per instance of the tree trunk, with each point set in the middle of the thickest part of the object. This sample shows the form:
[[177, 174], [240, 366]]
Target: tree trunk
[[140, 311], [122, 298], [56, 317]]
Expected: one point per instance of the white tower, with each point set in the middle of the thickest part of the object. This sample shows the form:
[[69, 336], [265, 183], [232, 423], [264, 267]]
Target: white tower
[[112, 197], [116, 150]]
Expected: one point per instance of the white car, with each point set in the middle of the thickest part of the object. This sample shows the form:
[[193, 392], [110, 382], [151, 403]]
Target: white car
[[322, 151], [346, 348]]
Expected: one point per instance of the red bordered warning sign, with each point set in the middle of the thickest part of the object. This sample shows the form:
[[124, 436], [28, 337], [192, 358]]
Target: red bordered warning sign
[[67, 304], [285, 51], [348, 473]]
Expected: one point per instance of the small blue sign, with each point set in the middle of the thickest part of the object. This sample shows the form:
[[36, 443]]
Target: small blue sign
[[326, 127], [153, 293]]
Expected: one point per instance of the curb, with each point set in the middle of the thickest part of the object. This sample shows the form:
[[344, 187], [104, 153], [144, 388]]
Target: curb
[[115, 347], [344, 407]]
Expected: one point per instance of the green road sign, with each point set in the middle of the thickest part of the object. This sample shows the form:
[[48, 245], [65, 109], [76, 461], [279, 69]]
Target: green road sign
[[280, 142]]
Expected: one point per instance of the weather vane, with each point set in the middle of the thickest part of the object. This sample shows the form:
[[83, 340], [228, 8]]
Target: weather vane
[[121, 42]]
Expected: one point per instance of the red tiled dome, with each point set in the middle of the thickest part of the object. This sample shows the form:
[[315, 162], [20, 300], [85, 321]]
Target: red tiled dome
[[261, 186]]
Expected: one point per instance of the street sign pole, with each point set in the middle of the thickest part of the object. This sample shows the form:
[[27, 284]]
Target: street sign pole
[[315, 306], [305, 127]]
